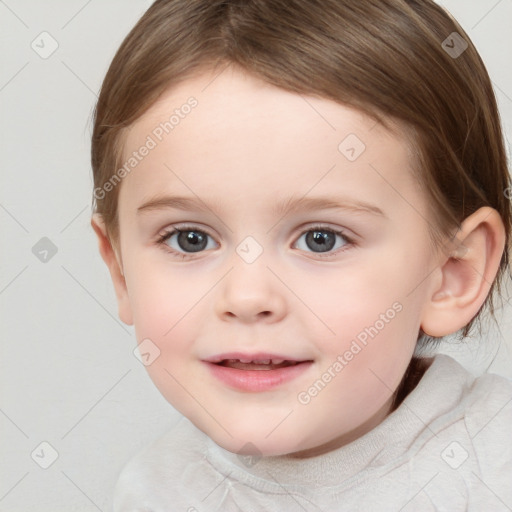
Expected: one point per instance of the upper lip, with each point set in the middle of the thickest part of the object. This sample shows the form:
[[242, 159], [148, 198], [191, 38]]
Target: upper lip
[[256, 356]]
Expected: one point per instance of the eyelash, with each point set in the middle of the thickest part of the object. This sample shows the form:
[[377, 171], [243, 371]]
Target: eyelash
[[163, 237]]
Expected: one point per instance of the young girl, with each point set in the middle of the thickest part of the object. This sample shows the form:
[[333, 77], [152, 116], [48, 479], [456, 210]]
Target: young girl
[[294, 198]]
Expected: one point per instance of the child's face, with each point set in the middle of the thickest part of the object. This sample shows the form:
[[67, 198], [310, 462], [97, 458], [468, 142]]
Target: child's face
[[263, 283]]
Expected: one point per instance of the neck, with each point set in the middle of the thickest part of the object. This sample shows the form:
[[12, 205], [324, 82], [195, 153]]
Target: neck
[[415, 371]]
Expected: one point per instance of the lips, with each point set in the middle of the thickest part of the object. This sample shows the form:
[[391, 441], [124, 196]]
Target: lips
[[256, 372]]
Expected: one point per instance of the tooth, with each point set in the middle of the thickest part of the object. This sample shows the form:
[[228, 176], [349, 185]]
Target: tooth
[[277, 361], [261, 361], [245, 360]]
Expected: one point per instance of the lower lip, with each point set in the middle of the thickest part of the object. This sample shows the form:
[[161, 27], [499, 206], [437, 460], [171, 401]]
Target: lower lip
[[257, 380]]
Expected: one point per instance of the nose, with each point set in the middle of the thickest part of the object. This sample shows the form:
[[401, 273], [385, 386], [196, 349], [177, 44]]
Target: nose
[[251, 293]]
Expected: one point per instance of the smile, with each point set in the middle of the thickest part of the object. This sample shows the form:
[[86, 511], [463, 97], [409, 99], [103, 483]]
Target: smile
[[256, 373]]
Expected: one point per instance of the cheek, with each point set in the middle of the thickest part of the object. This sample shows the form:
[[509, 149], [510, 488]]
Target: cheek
[[161, 295], [352, 302], [375, 322], [167, 310]]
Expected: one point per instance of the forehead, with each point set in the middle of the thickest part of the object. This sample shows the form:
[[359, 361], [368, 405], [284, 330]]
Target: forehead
[[244, 135]]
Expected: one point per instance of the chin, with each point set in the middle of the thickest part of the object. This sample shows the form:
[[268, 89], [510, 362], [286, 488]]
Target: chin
[[256, 434]]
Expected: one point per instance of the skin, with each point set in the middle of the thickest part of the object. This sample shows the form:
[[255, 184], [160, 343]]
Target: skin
[[246, 146]]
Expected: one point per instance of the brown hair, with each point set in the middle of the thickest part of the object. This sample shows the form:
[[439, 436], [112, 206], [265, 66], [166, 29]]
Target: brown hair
[[384, 57]]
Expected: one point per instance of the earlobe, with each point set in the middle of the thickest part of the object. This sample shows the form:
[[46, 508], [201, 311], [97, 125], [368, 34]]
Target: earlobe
[[115, 267], [467, 275]]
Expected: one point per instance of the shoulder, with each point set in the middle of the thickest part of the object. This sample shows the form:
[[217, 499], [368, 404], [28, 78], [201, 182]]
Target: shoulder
[[470, 439], [150, 481], [479, 400], [489, 398], [479, 405], [488, 420]]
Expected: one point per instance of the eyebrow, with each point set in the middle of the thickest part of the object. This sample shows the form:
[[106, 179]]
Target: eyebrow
[[282, 208]]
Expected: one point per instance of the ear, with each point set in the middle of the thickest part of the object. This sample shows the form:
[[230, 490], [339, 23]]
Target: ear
[[114, 264], [465, 278]]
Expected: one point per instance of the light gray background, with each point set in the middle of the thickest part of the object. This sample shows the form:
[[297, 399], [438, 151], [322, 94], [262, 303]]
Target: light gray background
[[68, 373]]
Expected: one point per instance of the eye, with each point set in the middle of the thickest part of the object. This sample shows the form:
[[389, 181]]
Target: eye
[[187, 239], [322, 239]]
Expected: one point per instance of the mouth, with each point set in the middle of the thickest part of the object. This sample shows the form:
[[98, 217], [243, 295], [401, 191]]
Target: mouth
[[256, 361], [258, 364], [256, 372]]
